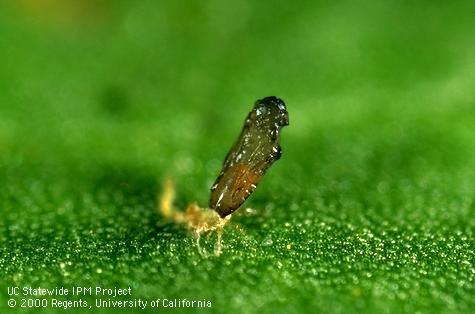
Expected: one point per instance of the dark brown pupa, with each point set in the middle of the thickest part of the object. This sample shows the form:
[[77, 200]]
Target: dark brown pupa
[[256, 149]]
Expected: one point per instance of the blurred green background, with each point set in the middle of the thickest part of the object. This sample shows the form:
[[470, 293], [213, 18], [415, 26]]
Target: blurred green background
[[371, 208]]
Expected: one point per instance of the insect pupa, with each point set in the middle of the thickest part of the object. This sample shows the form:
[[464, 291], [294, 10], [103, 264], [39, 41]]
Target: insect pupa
[[256, 149]]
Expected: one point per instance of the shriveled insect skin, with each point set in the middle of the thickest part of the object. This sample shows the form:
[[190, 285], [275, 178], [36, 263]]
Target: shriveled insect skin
[[256, 149]]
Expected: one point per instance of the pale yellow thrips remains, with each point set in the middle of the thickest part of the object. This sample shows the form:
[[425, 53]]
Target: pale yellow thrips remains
[[198, 220]]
